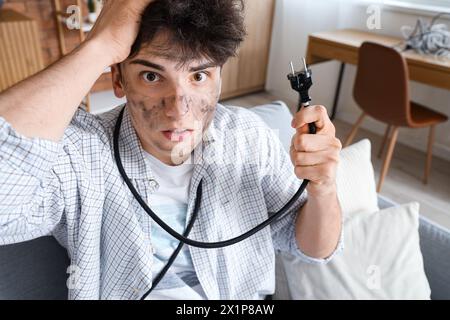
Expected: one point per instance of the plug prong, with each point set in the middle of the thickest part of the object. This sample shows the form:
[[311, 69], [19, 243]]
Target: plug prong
[[292, 68], [304, 65]]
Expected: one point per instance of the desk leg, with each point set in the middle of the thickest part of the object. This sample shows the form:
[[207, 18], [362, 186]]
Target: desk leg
[[338, 91]]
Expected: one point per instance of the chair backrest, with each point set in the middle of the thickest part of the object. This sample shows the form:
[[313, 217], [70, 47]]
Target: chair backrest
[[381, 85]]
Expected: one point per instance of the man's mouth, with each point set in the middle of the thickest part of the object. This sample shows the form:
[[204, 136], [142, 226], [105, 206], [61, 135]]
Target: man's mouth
[[177, 135]]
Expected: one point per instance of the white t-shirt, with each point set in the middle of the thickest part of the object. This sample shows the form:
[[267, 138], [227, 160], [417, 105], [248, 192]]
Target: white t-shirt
[[170, 203]]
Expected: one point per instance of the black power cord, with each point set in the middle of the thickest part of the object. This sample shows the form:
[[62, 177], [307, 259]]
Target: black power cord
[[300, 82], [174, 255], [175, 234]]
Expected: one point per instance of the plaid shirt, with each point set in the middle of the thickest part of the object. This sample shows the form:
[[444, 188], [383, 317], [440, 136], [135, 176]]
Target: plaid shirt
[[73, 190]]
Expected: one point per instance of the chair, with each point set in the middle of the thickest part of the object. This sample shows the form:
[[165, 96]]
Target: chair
[[382, 92]]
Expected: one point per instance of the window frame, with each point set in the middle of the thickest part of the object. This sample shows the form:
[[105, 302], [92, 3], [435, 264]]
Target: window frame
[[411, 6]]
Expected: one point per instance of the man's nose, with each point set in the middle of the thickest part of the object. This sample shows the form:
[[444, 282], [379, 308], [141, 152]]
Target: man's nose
[[177, 105]]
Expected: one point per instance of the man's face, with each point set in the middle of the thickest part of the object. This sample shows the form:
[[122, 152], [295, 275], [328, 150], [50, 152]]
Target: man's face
[[171, 105]]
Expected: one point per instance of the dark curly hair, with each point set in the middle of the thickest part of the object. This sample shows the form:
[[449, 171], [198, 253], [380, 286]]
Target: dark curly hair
[[211, 29]]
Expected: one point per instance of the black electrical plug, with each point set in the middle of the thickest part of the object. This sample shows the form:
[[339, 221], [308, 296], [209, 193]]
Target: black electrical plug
[[301, 82]]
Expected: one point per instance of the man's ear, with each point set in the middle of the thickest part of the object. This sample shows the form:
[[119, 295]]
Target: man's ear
[[117, 83]]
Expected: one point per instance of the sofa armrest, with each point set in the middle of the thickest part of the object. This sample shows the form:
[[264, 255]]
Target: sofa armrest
[[435, 246], [34, 270]]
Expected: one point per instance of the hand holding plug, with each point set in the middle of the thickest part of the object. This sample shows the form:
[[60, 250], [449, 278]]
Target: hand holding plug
[[314, 148]]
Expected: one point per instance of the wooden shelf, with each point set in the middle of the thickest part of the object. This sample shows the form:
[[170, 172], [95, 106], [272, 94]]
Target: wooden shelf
[[20, 48], [247, 72], [8, 15], [85, 28]]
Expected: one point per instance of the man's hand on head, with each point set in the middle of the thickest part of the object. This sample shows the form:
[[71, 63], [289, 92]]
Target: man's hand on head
[[117, 27], [315, 156]]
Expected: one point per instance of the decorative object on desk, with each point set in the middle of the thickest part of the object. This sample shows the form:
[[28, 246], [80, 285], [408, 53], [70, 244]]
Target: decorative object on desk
[[428, 38], [92, 17], [98, 6]]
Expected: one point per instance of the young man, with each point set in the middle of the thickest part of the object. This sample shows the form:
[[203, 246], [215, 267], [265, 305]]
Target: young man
[[58, 174]]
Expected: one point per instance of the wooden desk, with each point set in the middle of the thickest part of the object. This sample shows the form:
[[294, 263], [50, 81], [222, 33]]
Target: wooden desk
[[343, 45]]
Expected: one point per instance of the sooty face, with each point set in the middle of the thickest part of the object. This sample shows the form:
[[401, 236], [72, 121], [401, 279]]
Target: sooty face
[[171, 104]]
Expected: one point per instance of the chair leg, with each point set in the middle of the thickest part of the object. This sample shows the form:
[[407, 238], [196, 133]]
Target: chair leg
[[388, 157], [429, 155], [355, 128], [385, 138]]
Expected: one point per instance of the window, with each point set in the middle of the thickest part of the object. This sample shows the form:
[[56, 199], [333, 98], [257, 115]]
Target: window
[[434, 3], [430, 2], [420, 5]]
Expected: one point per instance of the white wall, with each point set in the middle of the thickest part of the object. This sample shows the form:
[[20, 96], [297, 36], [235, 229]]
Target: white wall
[[295, 19]]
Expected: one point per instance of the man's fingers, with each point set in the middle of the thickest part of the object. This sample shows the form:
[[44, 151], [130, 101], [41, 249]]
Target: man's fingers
[[304, 129], [314, 142], [307, 159], [313, 114]]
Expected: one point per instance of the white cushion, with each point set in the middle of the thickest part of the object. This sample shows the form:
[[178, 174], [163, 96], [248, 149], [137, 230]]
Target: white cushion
[[278, 117], [381, 260], [355, 180]]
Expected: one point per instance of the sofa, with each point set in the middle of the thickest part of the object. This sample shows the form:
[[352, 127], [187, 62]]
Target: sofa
[[38, 269]]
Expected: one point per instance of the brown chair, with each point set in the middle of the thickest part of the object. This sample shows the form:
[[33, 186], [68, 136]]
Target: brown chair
[[381, 90]]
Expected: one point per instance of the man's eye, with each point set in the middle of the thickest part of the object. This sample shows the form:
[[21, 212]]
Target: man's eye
[[200, 76], [150, 76]]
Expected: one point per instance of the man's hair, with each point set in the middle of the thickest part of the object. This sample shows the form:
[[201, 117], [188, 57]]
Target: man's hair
[[210, 29]]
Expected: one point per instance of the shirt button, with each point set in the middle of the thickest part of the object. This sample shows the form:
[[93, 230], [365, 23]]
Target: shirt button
[[154, 184]]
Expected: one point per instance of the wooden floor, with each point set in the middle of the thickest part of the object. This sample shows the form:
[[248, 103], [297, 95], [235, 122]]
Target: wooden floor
[[404, 180]]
